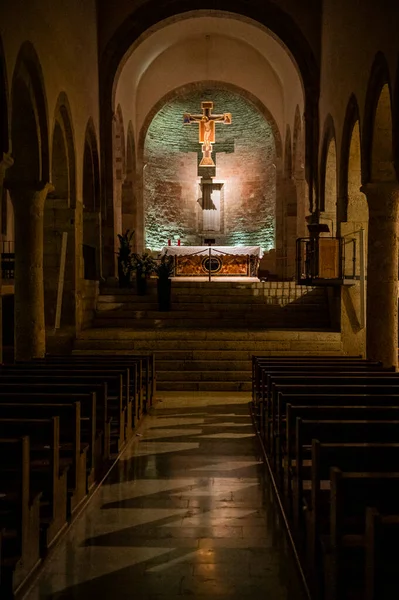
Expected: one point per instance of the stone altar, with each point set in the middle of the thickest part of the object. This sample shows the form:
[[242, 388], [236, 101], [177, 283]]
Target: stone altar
[[194, 261]]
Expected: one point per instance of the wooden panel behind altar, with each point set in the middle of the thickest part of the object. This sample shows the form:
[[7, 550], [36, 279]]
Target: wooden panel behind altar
[[196, 266]]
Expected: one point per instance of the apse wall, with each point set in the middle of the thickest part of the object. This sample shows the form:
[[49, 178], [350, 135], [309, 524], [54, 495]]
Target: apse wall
[[245, 170]]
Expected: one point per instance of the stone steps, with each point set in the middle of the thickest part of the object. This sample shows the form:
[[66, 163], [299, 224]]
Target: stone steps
[[207, 339], [198, 360]]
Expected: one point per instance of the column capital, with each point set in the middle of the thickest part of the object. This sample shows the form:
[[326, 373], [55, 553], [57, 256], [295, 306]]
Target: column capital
[[6, 162], [382, 197]]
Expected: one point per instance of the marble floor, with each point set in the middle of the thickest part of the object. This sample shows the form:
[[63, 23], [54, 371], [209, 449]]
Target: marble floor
[[188, 511]]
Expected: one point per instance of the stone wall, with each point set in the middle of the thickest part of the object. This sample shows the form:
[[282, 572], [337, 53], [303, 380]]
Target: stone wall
[[245, 164]]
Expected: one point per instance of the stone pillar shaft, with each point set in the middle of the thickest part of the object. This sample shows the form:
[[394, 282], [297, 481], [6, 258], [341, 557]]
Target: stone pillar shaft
[[382, 273], [5, 164], [30, 333]]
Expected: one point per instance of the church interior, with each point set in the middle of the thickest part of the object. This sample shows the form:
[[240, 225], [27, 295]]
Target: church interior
[[199, 299]]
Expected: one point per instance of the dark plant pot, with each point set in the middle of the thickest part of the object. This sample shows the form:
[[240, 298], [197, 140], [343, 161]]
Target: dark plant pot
[[164, 288], [123, 277], [141, 285]]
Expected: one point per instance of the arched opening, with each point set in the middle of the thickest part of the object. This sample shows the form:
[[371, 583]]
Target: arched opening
[[353, 229], [30, 172], [243, 181], [328, 208], [59, 226], [129, 205], [382, 164], [119, 164], [288, 211], [4, 141], [138, 82], [302, 210], [59, 161], [91, 207]]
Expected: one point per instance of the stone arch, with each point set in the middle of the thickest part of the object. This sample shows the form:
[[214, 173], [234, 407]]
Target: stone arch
[[59, 218], [91, 205], [219, 85], [269, 16], [377, 152], [328, 177], [29, 121], [4, 130], [353, 216], [63, 159], [28, 181], [129, 207], [286, 233], [299, 174], [176, 93], [119, 172]]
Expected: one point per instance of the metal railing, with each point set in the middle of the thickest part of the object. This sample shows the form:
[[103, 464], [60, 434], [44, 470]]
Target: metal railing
[[7, 260]]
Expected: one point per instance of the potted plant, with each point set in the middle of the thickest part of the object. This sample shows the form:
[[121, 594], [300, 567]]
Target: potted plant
[[144, 265], [164, 270], [125, 258]]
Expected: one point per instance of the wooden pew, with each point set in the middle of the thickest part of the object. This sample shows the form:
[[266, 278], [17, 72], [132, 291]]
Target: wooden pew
[[370, 386], [381, 580], [50, 386], [117, 407], [322, 367], [47, 473], [286, 456], [368, 457], [19, 516], [329, 431], [261, 363], [344, 548], [131, 372], [72, 452], [88, 421], [145, 363]]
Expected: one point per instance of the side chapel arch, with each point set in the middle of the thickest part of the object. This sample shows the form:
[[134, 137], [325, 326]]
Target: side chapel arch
[[28, 181], [91, 205], [59, 217], [328, 178]]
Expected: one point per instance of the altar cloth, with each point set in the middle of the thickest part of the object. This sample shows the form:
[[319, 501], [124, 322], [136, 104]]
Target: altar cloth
[[216, 250], [223, 261]]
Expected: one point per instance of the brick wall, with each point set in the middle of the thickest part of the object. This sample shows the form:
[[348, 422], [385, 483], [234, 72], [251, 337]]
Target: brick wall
[[244, 154]]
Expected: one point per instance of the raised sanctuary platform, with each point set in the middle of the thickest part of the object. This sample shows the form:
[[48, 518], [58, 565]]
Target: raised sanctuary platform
[[221, 261]]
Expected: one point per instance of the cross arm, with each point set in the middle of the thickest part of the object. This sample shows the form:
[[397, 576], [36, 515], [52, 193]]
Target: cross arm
[[188, 119]]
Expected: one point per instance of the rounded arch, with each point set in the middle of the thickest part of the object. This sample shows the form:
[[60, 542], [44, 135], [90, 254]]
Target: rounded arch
[[206, 85], [297, 149], [270, 16], [299, 174], [352, 120], [119, 144], [119, 163], [91, 205], [91, 170], [288, 159], [4, 130], [129, 206], [327, 157], [29, 120], [377, 147], [63, 158], [130, 152]]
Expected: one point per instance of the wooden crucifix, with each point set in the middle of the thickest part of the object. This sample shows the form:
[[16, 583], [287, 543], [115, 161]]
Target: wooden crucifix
[[206, 123]]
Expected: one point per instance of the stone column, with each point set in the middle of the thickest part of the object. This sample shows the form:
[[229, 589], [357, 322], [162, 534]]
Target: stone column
[[382, 273], [30, 333]]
